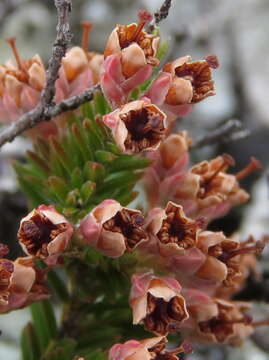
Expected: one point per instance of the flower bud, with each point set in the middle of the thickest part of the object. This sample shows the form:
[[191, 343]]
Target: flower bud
[[156, 301], [44, 233], [113, 229]]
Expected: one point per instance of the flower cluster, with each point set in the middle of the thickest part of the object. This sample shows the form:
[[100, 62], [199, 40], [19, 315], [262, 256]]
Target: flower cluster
[[182, 275], [22, 81]]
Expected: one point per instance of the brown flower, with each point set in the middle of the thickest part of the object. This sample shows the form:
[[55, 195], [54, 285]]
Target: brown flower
[[137, 126], [158, 303], [211, 191], [136, 47], [224, 256], [192, 78], [222, 322], [174, 231], [113, 229], [44, 233], [21, 283]]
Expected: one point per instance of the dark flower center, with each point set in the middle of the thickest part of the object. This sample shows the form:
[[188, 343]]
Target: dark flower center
[[145, 128], [178, 229], [129, 224], [38, 232], [164, 316]]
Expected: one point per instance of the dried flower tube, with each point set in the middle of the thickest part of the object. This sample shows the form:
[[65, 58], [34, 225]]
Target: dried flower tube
[[183, 83], [130, 54], [45, 233], [157, 302], [113, 229], [137, 126], [174, 232]]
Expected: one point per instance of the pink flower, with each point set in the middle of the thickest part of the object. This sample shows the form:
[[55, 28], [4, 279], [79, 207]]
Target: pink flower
[[204, 190], [21, 284], [113, 229], [168, 168], [137, 126], [183, 83], [214, 320], [45, 233], [157, 302], [223, 257], [174, 232], [21, 85], [147, 349], [129, 57]]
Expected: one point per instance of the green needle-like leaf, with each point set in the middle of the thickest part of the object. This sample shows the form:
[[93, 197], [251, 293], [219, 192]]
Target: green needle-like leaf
[[30, 343], [44, 322]]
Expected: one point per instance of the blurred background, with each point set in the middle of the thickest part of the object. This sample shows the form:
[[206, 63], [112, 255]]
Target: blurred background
[[234, 30]]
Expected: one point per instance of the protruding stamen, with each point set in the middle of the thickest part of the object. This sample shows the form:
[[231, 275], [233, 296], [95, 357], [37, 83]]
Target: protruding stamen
[[185, 348], [87, 26], [12, 42], [244, 320], [260, 323], [144, 17], [228, 161], [254, 164], [256, 249]]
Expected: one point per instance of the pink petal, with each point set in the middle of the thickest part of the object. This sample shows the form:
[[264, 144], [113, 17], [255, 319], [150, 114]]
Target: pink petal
[[159, 88], [138, 78]]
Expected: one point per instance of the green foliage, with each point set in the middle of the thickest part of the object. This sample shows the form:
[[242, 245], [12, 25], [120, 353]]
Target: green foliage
[[44, 322], [30, 344], [80, 168]]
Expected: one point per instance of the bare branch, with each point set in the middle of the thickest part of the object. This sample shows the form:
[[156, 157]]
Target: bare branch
[[232, 130], [163, 12], [33, 117], [61, 42], [160, 15]]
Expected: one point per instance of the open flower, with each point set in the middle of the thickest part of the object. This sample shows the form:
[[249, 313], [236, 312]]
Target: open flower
[[208, 190], [44, 233], [130, 54], [137, 126], [21, 284], [218, 321], [223, 257], [147, 349], [247, 266], [174, 232], [157, 302], [113, 229], [182, 83]]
